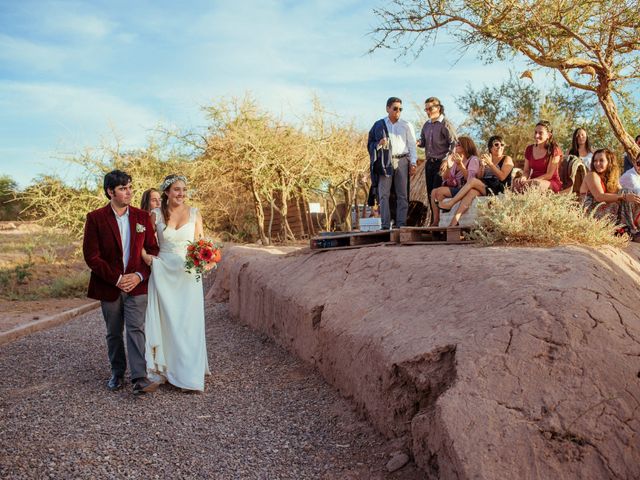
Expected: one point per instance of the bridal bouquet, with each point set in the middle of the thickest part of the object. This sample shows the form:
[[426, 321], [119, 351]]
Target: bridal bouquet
[[202, 255]]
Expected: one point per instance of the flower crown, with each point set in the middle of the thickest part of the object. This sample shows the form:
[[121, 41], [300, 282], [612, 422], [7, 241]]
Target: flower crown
[[170, 181]]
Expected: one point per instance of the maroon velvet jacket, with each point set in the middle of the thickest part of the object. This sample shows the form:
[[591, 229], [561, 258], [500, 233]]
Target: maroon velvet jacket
[[102, 249]]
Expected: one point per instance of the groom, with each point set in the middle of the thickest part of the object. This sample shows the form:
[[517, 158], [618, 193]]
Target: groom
[[114, 236]]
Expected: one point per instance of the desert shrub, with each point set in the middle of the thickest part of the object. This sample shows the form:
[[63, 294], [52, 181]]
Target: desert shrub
[[66, 287], [52, 202], [541, 217]]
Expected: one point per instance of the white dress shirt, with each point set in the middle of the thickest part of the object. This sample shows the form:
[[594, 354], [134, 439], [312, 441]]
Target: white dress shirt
[[402, 138], [125, 235], [631, 180], [125, 238]]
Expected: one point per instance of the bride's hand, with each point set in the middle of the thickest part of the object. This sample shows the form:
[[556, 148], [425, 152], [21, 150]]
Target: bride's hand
[[146, 258], [210, 266]]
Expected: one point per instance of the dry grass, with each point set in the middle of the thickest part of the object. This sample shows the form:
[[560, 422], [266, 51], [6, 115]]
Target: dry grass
[[39, 262], [542, 218]]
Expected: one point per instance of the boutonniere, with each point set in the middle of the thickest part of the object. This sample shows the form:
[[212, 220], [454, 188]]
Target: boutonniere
[[140, 228]]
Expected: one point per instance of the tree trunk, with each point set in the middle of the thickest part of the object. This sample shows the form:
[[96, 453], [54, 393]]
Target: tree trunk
[[284, 210], [611, 111], [272, 210], [332, 196], [327, 215], [347, 203], [257, 205]]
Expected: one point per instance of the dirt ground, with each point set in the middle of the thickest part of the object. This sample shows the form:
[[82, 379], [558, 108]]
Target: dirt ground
[[53, 256], [16, 313]]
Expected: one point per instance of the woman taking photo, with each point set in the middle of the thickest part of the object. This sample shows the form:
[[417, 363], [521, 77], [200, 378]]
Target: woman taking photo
[[541, 161], [495, 176], [461, 166]]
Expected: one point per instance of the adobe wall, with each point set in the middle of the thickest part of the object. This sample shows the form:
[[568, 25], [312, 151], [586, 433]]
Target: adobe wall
[[491, 363]]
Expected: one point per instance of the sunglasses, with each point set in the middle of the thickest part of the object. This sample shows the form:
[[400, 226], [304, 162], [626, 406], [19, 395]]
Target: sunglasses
[[432, 107], [397, 109], [498, 144]]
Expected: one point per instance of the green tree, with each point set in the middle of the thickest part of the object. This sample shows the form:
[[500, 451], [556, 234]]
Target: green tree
[[513, 108], [593, 44], [10, 205]]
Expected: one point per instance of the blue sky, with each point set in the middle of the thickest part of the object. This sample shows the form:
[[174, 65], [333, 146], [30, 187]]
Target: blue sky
[[75, 74]]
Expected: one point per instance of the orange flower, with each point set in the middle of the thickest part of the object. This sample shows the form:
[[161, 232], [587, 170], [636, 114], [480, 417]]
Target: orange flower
[[216, 255]]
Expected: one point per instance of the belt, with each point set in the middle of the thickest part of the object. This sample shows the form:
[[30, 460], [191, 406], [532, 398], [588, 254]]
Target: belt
[[400, 156], [433, 159]]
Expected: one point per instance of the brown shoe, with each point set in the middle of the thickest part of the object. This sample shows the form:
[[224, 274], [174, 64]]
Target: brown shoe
[[144, 385]]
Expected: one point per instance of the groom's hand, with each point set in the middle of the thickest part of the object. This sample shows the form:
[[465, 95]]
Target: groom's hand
[[128, 282]]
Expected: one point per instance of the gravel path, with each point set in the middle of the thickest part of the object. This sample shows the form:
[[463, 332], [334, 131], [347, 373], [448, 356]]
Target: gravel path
[[264, 414]]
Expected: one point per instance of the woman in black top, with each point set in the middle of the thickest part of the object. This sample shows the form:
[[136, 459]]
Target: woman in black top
[[495, 176]]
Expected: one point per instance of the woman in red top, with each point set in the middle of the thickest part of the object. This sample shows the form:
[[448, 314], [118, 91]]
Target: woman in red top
[[541, 161]]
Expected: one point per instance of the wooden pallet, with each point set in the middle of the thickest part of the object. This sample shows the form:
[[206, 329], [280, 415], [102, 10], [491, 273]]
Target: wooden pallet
[[433, 235], [354, 239]]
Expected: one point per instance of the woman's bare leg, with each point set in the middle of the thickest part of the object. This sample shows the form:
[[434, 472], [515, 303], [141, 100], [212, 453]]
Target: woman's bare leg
[[438, 194], [465, 203], [473, 184]]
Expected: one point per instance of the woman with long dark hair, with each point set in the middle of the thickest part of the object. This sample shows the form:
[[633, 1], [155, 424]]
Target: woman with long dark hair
[[580, 147], [541, 161], [495, 176], [150, 200]]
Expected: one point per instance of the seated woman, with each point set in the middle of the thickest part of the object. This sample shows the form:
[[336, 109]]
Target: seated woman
[[456, 170], [601, 192], [541, 161], [495, 175], [580, 147]]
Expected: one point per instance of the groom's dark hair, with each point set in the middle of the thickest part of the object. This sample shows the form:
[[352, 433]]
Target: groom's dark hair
[[115, 179]]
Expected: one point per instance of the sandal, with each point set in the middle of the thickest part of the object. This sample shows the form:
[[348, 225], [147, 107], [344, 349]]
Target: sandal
[[443, 209]]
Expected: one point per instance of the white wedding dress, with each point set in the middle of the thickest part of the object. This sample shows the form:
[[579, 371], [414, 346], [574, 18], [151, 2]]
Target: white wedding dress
[[174, 326]]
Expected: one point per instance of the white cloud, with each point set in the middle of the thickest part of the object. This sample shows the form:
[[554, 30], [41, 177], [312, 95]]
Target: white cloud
[[69, 23], [22, 53], [75, 116]]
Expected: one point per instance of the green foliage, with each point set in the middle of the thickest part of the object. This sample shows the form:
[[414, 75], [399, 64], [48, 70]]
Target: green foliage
[[543, 218], [23, 272], [9, 205], [513, 108]]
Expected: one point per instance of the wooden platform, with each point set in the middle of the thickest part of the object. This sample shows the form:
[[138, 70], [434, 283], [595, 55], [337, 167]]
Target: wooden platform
[[354, 239], [404, 236], [433, 235]]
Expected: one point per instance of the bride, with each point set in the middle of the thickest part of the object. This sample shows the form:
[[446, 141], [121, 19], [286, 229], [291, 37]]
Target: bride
[[175, 337]]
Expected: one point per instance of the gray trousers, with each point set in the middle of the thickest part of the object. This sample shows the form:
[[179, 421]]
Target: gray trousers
[[127, 310], [400, 179]]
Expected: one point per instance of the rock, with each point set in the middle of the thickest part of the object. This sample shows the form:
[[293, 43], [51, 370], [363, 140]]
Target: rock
[[493, 362], [397, 462]]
